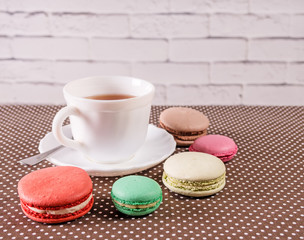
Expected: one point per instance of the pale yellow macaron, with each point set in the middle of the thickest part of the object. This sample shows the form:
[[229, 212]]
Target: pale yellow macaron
[[194, 174]]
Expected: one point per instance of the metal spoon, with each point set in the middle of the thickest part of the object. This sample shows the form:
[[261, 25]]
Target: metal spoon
[[39, 157]]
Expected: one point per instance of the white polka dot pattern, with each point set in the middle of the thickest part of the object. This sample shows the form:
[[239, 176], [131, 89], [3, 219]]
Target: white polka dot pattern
[[263, 198]]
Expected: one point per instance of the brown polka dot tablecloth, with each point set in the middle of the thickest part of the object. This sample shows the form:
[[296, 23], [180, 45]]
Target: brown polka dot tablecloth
[[263, 197]]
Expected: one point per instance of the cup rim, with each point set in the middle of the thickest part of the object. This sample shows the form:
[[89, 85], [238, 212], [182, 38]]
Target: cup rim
[[83, 99]]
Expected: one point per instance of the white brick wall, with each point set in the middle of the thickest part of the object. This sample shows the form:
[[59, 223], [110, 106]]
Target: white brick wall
[[194, 51], [249, 26], [207, 50], [51, 48], [132, 50], [169, 26]]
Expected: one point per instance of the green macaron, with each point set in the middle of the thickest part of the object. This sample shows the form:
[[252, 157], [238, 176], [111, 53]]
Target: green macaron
[[136, 195]]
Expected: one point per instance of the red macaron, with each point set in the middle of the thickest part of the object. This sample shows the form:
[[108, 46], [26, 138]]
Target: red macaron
[[56, 194], [217, 145]]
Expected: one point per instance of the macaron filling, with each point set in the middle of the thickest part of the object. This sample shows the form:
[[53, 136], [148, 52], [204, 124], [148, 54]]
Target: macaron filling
[[203, 185], [137, 206], [143, 206], [190, 137], [181, 133], [62, 211]]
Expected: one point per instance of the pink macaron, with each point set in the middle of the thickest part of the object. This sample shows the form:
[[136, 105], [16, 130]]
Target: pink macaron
[[217, 145]]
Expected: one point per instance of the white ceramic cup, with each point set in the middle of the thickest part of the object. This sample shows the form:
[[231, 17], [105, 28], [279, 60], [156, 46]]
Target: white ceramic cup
[[105, 131]]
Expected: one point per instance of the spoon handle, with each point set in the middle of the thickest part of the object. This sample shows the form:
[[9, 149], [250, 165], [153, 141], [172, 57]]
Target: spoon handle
[[39, 157]]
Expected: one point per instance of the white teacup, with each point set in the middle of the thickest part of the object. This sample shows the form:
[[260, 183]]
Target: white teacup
[[106, 131]]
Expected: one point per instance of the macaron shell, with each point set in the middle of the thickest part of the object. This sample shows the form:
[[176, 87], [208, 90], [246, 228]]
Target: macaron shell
[[194, 166], [217, 145], [61, 189], [182, 119], [136, 191], [54, 186]]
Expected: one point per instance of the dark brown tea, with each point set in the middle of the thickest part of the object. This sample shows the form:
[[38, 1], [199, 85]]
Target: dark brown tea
[[110, 96]]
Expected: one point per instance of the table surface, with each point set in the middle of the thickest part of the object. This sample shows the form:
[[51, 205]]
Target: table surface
[[263, 197]]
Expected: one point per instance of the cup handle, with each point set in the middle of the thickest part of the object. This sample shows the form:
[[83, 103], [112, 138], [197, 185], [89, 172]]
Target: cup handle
[[57, 127]]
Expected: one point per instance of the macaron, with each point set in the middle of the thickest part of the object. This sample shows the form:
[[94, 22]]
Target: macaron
[[136, 195], [185, 124], [217, 145], [194, 174], [56, 194]]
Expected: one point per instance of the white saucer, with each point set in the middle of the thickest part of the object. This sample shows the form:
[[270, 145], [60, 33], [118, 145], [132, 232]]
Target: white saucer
[[158, 146]]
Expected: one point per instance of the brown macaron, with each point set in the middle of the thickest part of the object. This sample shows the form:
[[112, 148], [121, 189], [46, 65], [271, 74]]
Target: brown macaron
[[185, 124]]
